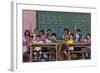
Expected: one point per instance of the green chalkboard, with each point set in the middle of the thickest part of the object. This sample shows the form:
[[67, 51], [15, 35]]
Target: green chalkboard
[[57, 21]]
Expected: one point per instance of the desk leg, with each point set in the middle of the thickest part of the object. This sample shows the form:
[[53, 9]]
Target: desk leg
[[30, 53], [56, 53], [83, 55], [69, 57]]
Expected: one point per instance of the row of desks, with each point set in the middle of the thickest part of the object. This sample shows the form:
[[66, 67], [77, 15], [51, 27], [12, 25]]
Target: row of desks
[[82, 45], [55, 46]]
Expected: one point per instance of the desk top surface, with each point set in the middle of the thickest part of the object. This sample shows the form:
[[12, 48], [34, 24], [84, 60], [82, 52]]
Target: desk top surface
[[73, 44], [79, 44], [43, 44]]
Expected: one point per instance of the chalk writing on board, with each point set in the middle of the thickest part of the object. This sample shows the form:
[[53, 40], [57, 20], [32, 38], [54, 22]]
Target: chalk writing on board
[[57, 21]]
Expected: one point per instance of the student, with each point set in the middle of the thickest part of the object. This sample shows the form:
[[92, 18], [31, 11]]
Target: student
[[64, 49], [77, 35], [27, 39], [82, 39], [89, 38], [37, 40], [88, 48], [44, 57], [52, 51], [42, 35], [49, 31], [66, 34], [35, 56], [37, 50], [48, 38], [53, 38], [70, 41], [26, 42]]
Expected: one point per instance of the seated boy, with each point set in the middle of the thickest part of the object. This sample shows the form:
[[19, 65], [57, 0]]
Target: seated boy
[[37, 50], [50, 50]]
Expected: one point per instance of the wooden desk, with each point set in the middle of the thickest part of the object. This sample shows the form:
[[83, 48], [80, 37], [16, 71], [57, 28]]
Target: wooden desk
[[48, 45], [77, 45]]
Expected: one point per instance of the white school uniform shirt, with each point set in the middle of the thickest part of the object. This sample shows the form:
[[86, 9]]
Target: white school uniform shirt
[[37, 48], [77, 37], [48, 41]]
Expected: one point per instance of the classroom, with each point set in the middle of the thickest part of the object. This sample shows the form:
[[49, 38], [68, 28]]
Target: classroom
[[55, 36]]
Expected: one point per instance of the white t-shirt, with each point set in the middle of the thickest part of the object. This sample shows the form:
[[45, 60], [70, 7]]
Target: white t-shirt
[[77, 37], [48, 41], [37, 48]]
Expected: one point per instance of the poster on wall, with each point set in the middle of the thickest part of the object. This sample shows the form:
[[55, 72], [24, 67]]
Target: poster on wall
[[52, 36]]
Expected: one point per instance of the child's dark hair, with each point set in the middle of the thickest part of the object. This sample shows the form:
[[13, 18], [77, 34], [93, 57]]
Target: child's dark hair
[[42, 31], [72, 34], [88, 34], [26, 32], [49, 30], [66, 29], [37, 36], [32, 36], [47, 35], [78, 30], [53, 34]]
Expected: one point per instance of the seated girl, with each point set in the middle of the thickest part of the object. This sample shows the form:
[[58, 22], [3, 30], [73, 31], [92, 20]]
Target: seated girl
[[70, 41], [66, 34], [64, 50]]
